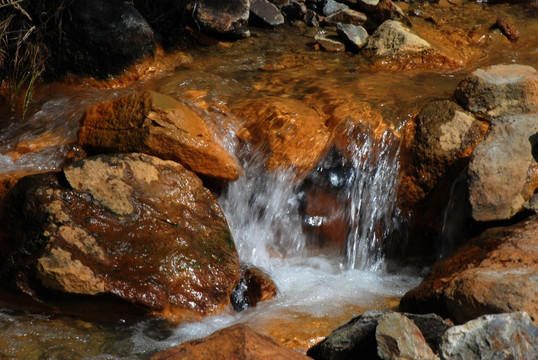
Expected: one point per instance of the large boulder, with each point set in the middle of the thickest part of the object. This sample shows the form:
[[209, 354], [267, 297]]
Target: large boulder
[[222, 17], [493, 273], [130, 225], [395, 46], [291, 133], [101, 38], [501, 336], [157, 125], [237, 342], [501, 175], [443, 139], [500, 90]]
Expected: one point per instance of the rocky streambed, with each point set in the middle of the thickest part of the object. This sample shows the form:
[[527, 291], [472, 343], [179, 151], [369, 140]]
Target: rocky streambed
[[319, 179]]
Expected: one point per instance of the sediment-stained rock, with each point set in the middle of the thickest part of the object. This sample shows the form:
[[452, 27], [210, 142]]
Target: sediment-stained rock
[[493, 273], [131, 225], [290, 133], [157, 125], [237, 342]]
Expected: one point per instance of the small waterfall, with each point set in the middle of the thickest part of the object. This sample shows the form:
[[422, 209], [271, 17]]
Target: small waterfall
[[372, 213]]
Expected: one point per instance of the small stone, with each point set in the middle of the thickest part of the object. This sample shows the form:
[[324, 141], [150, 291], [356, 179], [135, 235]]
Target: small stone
[[266, 12], [346, 16], [294, 10], [311, 18], [507, 28], [332, 7], [329, 44], [354, 35], [398, 338]]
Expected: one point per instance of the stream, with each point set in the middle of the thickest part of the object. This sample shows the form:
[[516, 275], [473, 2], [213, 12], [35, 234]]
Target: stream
[[318, 289]]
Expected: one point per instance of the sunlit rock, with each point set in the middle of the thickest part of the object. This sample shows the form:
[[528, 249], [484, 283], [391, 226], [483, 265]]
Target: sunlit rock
[[493, 273], [502, 174], [330, 7], [500, 90], [354, 35], [329, 44], [157, 125], [266, 12], [442, 140], [237, 342], [131, 225], [395, 46], [398, 338], [222, 17], [289, 132], [502, 336]]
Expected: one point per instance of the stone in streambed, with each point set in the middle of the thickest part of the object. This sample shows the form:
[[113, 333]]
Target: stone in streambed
[[493, 273], [330, 7], [395, 46], [398, 338], [354, 35], [157, 125], [294, 10], [347, 16], [130, 225], [387, 10], [500, 90], [237, 342], [328, 44], [501, 336], [266, 12], [502, 174], [223, 17], [289, 132], [255, 286]]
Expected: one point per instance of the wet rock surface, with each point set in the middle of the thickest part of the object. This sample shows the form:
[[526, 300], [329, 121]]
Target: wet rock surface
[[158, 125], [493, 273], [291, 133], [236, 342], [254, 286], [266, 12], [137, 227], [501, 336]]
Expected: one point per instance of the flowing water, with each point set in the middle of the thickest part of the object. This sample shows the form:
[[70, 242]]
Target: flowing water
[[318, 289]]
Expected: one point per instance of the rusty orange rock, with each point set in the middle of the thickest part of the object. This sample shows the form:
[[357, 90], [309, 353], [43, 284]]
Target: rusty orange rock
[[234, 343], [130, 225], [495, 272], [291, 133], [157, 125]]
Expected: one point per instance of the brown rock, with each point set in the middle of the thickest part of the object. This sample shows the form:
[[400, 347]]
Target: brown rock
[[495, 272], [507, 28], [387, 10], [260, 286], [291, 133], [131, 225], [329, 44], [234, 343], [444, 138], [158, 125]]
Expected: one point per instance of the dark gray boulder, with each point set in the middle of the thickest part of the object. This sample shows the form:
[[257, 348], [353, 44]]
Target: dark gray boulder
[[266, 13]]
